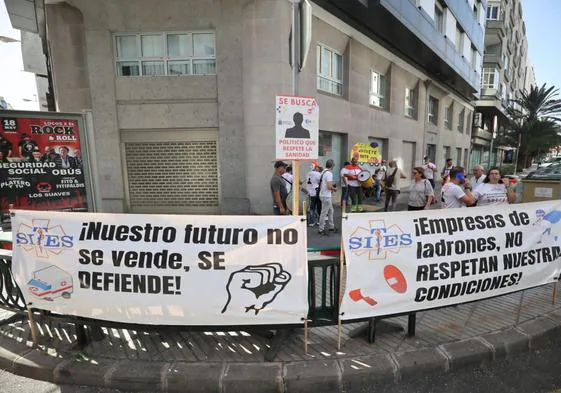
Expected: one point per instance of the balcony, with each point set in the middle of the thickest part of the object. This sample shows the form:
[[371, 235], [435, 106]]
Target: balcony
[[405, 30], [490, 94], [481, 133], [493, 58], [496, 27]]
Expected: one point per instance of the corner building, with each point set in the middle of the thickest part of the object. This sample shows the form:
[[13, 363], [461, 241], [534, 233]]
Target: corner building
[[183, 91]]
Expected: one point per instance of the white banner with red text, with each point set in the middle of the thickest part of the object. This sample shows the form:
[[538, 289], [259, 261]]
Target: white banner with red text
[[408, 261], [163, 269]]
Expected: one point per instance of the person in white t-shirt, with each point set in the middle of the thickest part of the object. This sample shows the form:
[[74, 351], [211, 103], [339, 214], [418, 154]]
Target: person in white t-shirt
[[344, 187], [478, 177], [327, 187], [494, 190], [430, 169], [379, 176], [288, 178], [312, 184], [457, 191], [446, 170]]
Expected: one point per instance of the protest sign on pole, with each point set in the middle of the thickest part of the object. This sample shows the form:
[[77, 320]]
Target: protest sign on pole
[[297, 128], [407, 261], [163, 269]]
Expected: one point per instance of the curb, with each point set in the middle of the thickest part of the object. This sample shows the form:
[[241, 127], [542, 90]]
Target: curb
[[299, 376]]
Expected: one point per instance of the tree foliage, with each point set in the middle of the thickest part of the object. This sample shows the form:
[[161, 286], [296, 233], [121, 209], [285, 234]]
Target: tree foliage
[[534, 122]]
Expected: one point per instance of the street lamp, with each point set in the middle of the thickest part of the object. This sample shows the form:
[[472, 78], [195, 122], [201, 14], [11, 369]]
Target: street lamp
[[7, 40]]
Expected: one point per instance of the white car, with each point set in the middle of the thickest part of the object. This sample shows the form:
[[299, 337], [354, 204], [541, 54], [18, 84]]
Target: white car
[[549, 161]]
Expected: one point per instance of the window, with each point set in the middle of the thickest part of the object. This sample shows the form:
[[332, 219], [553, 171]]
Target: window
[[493, 12], [189, 53], [433, 111], [459, 39], [490, 78], [447, 155], [438, 18], [461, 120], [473, 58], [469, 124], [411, 103], [330, 70], [458, 156], [378, 90], [448, 116]]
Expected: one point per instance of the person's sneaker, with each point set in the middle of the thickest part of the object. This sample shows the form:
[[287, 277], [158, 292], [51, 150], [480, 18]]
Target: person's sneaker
[[323, 233], [334, 230]]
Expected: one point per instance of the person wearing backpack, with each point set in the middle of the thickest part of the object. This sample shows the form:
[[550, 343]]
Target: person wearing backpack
[[421, 193], [392, 182]]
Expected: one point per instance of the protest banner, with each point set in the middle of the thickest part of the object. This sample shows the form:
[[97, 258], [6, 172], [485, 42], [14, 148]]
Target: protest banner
[[163, 269], [407, 261], [297, 128], [41, 162]]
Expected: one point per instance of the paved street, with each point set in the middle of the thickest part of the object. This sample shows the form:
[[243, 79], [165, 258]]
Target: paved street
[[536, 372]]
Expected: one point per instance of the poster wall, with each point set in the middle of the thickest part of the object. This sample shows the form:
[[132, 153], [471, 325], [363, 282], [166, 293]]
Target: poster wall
[[163, 269], [297, 128], [415, 260], [41, 164]]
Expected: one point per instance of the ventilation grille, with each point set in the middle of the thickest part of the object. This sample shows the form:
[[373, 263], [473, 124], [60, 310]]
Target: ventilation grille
[[173, 174]]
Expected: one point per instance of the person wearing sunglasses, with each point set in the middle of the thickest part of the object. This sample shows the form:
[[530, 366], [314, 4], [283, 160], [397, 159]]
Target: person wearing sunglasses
[[457, 191], [495, 190], [421, 192]]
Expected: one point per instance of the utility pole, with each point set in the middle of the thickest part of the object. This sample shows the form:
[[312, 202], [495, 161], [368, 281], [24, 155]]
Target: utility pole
[[300, 39]]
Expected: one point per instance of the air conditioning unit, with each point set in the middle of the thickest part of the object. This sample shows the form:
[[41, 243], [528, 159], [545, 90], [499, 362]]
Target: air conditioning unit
[[478, 120]]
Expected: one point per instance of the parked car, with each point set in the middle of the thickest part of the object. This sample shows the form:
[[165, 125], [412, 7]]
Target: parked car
[[549, 161], [550, 172]]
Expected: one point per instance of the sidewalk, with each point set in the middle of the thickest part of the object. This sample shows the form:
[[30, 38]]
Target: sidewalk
[[180, 361], [172, 360]]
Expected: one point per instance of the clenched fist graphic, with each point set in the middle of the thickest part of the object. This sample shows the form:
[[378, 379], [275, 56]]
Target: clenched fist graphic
[[254, 287]]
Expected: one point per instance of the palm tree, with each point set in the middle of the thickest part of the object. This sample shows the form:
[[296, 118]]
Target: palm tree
[[540, 103], [535, 118]]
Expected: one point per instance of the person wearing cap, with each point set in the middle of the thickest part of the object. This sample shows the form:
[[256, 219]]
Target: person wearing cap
[[430, 169], [278, 189], [35, 155], [26, 146]]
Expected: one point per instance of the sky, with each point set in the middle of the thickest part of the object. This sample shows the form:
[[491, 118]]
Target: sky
[[16, 85], [543, 29]]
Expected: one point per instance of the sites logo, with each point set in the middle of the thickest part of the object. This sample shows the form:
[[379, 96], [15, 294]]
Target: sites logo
[[43, 238], [377, 241]]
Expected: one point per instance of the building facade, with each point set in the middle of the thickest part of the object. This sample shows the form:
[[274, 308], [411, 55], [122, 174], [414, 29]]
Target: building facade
[[182, 92], [506, 73]]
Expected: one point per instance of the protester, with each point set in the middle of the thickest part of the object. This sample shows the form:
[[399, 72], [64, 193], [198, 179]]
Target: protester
[[393, 186], [421, 192], [344, 188], [430, 169], [457, 191], [379, 176], [446, 170], [327, 187], [312, 186], [495, 190], [478, 176], [351, 172], [278, 189], [288, 178]]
